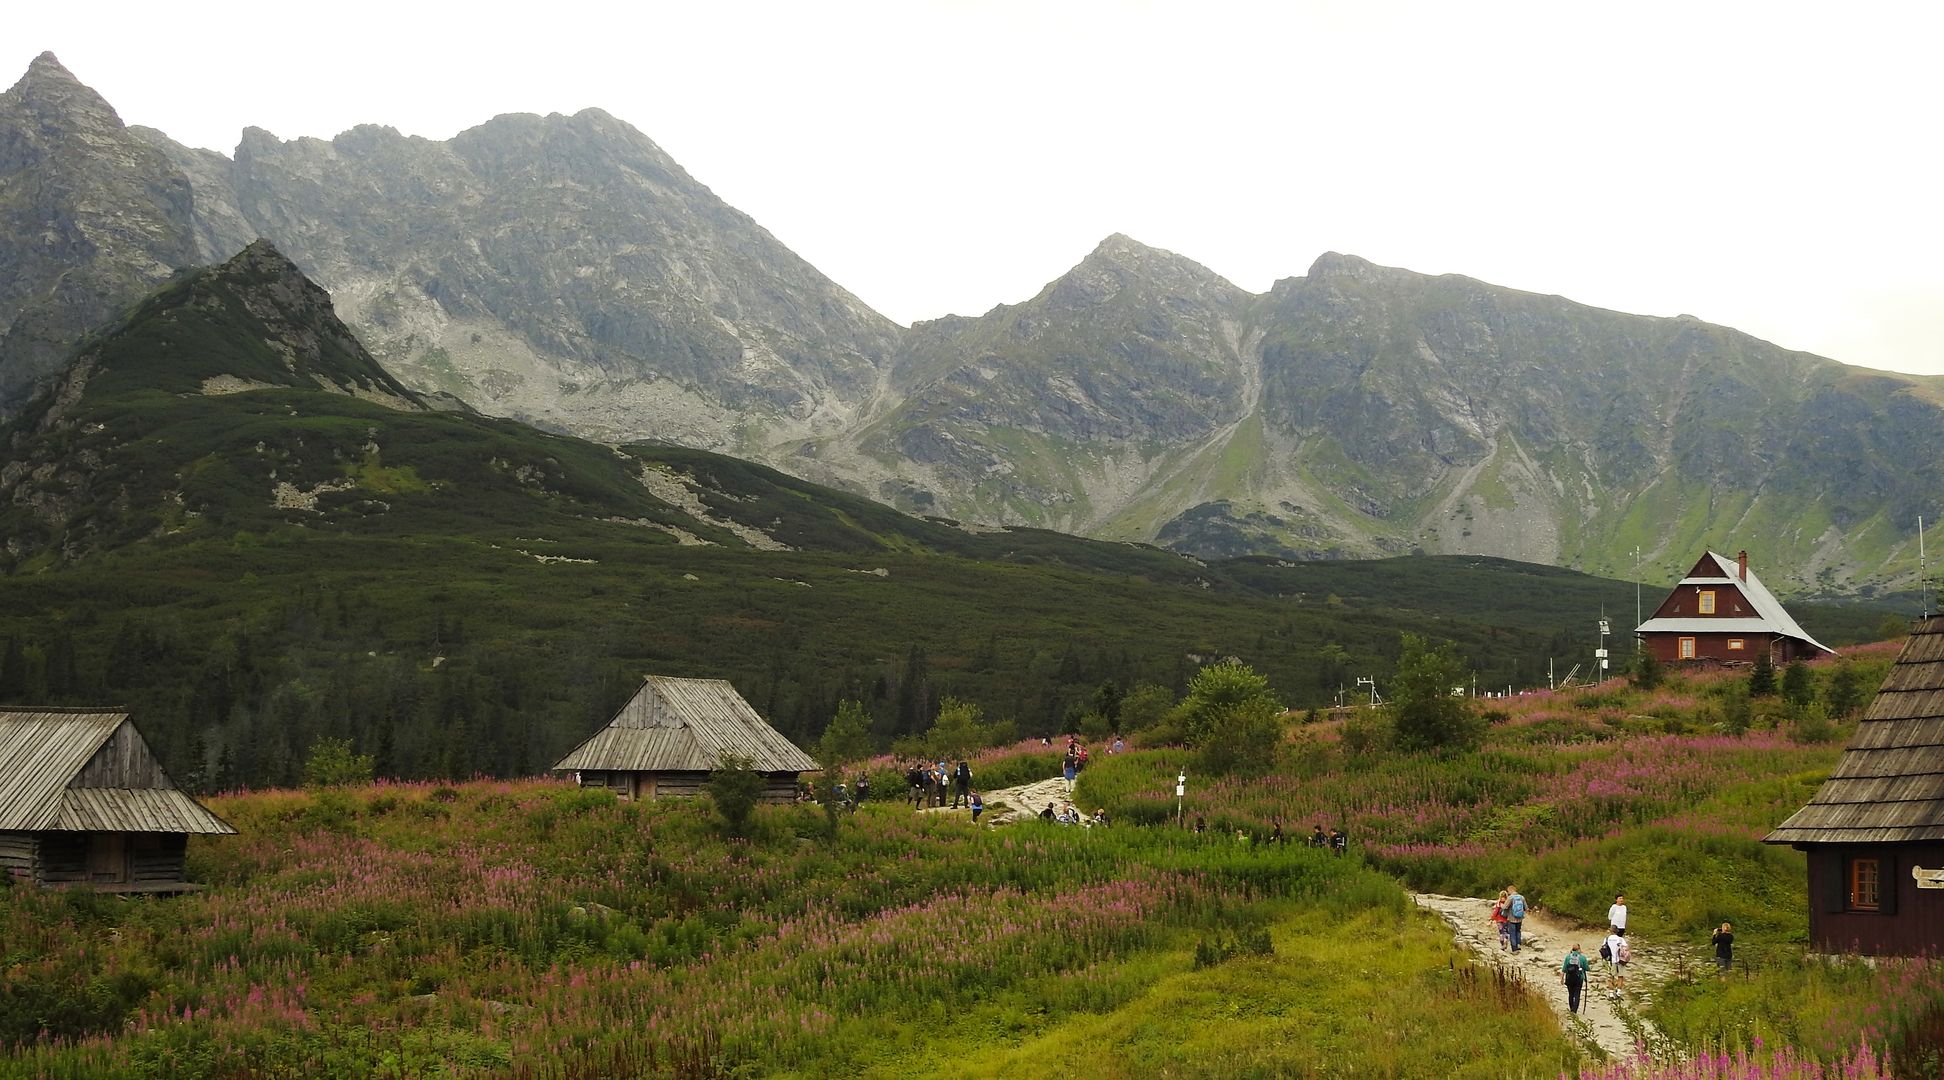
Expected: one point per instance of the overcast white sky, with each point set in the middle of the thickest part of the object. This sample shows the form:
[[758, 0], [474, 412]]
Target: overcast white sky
[[1770, 166]]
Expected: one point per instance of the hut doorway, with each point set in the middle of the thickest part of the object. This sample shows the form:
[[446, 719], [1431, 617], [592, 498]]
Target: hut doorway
[[108, 858]]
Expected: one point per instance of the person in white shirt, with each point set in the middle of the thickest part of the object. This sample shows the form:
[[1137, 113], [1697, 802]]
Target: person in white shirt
[[1616, 947], [1617, 914]]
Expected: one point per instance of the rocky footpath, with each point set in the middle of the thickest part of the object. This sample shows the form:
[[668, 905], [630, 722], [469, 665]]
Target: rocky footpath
[[1608, 1020]]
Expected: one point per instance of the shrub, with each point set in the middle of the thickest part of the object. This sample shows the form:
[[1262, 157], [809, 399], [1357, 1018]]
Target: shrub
[[734, 787]]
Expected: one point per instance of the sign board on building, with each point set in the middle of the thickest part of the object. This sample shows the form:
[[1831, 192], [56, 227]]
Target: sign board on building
[[1928, 879]]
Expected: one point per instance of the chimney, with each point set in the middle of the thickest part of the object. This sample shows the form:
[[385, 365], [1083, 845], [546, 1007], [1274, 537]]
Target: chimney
[[1742, 560]]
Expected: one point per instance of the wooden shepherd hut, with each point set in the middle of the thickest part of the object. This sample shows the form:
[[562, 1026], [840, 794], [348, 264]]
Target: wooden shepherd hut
[[674, 732], [1874, 832], [84, 802], [1722, 612]]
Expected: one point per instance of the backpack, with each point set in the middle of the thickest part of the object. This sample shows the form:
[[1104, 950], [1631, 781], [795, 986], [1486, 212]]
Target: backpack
[[1625, 955], [1606, 952], [1518, 907]]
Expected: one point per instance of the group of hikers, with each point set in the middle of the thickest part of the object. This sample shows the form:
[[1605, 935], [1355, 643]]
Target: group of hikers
[[1335, 840], [1509, 913]]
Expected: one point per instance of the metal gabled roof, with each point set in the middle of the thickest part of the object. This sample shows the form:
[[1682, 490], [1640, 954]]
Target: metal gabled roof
[[164, 810], [40, 751], [686, 725], [1771, 616], [1889, 785]]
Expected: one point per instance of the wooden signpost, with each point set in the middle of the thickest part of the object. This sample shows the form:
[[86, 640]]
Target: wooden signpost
[[1928, 879]]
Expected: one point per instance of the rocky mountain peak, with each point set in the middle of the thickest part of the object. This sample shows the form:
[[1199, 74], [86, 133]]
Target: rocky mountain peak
[[107, 214], [1334, 264], [50, 93], [1120, 262]]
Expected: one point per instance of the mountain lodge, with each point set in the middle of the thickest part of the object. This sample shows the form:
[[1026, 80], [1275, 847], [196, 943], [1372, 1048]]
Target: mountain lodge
[[1722, 612], [674, 732], [1874, 831], [84, 802]]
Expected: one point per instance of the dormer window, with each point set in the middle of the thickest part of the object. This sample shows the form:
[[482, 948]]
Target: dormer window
[[1707, 602]]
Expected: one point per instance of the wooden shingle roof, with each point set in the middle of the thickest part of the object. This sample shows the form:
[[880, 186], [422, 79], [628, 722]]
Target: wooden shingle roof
[[686, 725], [43, 751], [1889, 785]]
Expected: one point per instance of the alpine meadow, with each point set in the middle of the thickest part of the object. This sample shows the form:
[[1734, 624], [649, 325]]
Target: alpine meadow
[[485, 607]]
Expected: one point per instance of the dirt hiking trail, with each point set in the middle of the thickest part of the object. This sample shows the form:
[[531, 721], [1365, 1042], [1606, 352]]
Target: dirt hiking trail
[[1612, 1024]]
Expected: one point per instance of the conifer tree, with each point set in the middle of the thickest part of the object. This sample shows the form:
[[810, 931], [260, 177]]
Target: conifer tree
[[1798, 688], [1761, 679]]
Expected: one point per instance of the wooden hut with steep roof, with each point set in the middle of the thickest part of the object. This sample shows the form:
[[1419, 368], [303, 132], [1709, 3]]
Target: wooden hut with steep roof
[[673, 733], [84, 802], [1722, 612], [1874, 832]]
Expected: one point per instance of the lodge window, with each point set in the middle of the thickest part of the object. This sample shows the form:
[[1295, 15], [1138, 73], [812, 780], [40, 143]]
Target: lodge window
[[1687, 648], [1864, 879], [1735, 644], [1707, 602]]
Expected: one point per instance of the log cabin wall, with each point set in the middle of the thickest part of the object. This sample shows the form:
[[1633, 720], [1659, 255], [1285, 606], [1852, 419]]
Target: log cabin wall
[[18, 856], [1909, 921]]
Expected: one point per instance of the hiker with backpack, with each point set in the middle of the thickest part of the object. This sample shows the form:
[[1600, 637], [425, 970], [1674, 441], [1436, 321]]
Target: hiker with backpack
[[1515, 911], [1573, 973], [1498, 918], [961, 784], [1618, 954]]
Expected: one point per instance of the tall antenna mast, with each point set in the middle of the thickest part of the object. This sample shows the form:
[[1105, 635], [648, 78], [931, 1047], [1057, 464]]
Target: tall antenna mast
[[1923, 572]]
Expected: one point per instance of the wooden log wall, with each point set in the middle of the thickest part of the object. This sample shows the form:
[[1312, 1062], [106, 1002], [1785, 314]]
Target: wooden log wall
[[63, 858], [17, 855]]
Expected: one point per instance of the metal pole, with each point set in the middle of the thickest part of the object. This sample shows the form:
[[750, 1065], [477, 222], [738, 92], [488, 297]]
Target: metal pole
[[1636, 635]]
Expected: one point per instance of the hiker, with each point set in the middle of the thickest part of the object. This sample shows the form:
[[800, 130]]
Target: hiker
[[1069, 767], [863, 788], [1242, 836], [978, 807], [1100, 817], [1724, 943], [961, 783], [915, 776], [1618, 957], [1201, 825], [1119, 746], [941, 782], [1317, 839], [1080, 760], [1573, 973], [1047, 814], [1069, 816], [1498, 918], [1515, 909], [1617, 914], [1276, 834], [1338, 841]]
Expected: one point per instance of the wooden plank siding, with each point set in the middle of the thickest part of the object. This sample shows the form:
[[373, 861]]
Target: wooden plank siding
[[124, 761], [1910, 920]]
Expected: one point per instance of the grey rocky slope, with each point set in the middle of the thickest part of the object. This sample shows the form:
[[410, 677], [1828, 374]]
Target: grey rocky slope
[[91, 217], [565, 270], [1362, 409]]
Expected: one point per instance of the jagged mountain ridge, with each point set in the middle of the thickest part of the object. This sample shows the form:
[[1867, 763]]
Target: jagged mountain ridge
[[567, 271], [92, 217], [1365, 409]]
